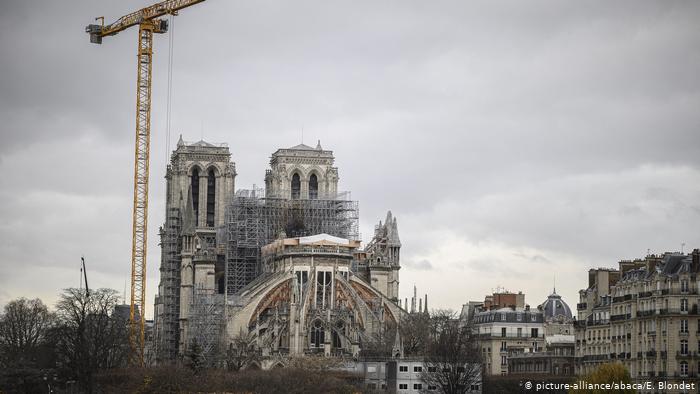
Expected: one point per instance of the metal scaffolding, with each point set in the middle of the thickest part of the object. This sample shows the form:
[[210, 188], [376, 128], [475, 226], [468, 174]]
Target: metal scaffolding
[[206, 326], [167, 329], [254, 220]]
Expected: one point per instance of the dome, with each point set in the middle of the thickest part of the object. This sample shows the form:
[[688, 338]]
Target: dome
[[555, 307]]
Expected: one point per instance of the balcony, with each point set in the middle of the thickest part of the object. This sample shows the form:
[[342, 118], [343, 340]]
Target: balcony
[[645, 313], [680, 354], [644, 294], [651, 354], [625, 316]]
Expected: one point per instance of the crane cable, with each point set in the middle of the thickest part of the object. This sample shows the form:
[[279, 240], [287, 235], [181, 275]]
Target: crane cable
[[171, 44]]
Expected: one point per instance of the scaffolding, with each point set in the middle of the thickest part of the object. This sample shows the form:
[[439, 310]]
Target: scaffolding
[[254, 220], [206, 326], [167, 327]]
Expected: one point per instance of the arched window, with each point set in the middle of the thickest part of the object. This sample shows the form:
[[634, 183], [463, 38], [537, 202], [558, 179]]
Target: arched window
[[195, 195], [317, 334], [313, 187], [211, 197], [296, 186]]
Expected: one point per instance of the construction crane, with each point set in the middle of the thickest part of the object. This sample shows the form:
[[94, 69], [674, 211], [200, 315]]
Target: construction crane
[[149, 22]]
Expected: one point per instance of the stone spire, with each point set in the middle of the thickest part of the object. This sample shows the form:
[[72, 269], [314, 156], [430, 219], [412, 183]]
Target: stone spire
[[318, 145]]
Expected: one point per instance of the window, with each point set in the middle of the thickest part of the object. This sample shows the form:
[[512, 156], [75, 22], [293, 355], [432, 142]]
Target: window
[[296, 186], [313, 187], [684, 286], [519, 316], [432, 369], [684, 326], [684, 347], [323, 289], [503, 317], [417, 369], [504, 360], [211, 197], [403, 368], [403, 386], [317, 335], [195, 195], [417, 386], [520, 332], [684, 368], [534, 333], [503, 332], [503, 345], [684, 305]]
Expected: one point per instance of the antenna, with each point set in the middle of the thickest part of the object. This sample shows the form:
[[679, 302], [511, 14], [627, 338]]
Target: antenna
[[302, 133], [682, 247]]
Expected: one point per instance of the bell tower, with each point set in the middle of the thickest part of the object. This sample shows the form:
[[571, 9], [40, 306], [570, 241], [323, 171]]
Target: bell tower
[[302, 173]]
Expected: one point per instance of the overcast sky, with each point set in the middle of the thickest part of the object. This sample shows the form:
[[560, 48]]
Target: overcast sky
[[514, 141]]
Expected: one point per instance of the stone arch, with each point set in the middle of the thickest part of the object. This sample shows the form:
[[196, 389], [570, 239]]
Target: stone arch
[[295, 186], [196, 166]]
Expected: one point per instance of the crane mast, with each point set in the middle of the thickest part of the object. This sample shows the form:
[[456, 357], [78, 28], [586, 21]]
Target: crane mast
[[149, 23]]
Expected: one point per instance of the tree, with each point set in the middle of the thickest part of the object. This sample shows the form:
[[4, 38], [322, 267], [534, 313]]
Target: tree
[[26, 358], [380, 343], [88, 337], [23, 328], [242, 352], [452, 362], [415, 333], [607, 373]]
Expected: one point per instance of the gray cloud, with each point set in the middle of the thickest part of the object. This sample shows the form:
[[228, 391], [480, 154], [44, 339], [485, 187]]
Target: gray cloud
[[517, 139]]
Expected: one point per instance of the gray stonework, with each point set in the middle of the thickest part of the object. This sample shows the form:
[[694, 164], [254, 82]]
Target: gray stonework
[[644, 315], [213, 277]]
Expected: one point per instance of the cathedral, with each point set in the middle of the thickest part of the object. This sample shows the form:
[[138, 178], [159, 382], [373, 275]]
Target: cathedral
[[282, 266]]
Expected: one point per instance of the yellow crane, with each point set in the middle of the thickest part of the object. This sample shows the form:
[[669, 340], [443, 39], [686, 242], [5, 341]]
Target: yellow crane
[[149, 22]]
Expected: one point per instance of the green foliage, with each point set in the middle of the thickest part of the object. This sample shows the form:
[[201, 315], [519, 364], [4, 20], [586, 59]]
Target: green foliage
[[606, 373]]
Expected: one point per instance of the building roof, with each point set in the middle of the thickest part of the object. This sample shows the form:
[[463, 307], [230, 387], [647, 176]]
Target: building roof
[[323, 239], [302, 147], [554, 306]]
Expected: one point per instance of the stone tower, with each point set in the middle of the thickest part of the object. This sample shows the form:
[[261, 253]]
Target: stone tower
[[208, 170], [199, 185], [302, 172], [383, 258]]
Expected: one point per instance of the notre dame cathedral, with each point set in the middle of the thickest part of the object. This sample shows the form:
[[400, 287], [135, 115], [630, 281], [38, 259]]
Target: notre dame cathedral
[[283, 266]]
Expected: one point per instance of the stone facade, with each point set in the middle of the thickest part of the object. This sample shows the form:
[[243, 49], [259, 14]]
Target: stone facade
[[279, 305], [645, 317], [302, 172], [309, 301], [504, 327]]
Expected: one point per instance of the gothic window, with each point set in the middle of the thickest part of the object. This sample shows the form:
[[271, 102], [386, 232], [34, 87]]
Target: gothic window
[[313, 187], [211, 194], [323, 289], [296, 186], [317, 334], [337, 344], [195, 194]]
